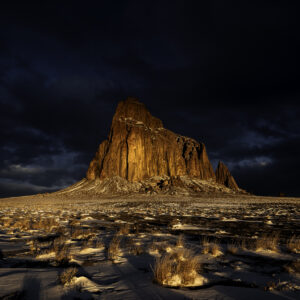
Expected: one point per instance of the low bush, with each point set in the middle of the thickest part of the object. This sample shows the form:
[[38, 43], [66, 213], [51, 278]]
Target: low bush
[[114, 249], [268, 242], [293, 244], [67, 275], [232, 248], [180, 241], [177, 269]]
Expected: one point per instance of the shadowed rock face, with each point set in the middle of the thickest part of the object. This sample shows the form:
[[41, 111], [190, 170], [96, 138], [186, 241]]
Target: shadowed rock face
[[224, 177], [139, 147]]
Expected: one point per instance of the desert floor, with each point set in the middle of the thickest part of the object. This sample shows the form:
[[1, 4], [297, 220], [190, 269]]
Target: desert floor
[[150, 247]]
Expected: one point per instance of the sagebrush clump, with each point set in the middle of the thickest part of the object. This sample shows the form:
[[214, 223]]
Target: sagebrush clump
[[67, 275], [268, 242], [177, 269], [293, 244], [114, 250]]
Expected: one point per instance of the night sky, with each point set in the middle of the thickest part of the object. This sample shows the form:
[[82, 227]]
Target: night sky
[[225, 73]]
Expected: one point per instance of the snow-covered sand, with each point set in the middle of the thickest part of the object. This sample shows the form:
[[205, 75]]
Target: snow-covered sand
[[114, 243]]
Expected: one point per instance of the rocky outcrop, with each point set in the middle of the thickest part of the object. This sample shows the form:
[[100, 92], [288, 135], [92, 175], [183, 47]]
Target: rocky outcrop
[[139, 147], [179, 185], [223, 176]]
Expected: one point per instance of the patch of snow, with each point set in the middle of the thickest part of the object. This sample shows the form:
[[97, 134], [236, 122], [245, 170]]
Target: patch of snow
[[46, 256], [85, 284], [91, 250], [185, 227]]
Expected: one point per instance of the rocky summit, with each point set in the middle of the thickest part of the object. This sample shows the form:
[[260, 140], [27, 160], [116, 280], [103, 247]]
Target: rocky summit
[[139, 147], [140, 155]]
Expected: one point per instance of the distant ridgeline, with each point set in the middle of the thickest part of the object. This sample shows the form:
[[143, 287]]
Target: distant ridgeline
[[140, 155]]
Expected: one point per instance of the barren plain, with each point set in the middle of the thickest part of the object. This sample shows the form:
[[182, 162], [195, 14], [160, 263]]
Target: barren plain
[[150, 247]]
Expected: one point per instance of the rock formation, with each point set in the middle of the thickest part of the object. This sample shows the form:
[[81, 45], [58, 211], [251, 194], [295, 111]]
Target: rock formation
[[223, 176], [141, 156], [139, 147]]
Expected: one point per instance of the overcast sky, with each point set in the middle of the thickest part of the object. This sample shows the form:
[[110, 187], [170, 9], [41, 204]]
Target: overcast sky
[[223, 72]]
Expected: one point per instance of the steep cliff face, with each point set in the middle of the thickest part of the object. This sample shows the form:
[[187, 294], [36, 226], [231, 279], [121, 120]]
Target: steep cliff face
[[139, 147], [223, 176]]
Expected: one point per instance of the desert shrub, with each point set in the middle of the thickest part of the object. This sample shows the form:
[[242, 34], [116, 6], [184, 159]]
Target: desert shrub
[[34, 247], [267, 242], [94, 242], [215, 249], [232, 248], [98, 243], [270, 286], [180, 241], [243, 244], [85, 244], [24, 224], [279, 286], [173, 222], [128, 242], [28, 223], [58, 243], [114, 250], [293, 244], [67, 275], [161, 247], [124, 229], [205, 245], [136, 249], [293, 267], [61, 230], [62, 256], [136, 228], [212, 248], [153, 246], [78, 233], [179, 268], [45, 224]]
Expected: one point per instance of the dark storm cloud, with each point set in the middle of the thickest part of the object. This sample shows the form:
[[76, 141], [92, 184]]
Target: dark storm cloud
[[223, 72]]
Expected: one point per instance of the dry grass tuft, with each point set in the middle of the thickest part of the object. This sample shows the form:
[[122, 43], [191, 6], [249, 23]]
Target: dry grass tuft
[[279, 286], [79, 233], [232, 248], [58, 243], [114, 251], [212, 248], [293, 267], [62, 257], [293, 244], [66, 276], [243, 244], [28, 223], [160, 247], [215, 249], [34, 247], [177, 269], [96, 242], [124, 229], [136, 249], [268, 242], [180, 241], [62, 251], [205, 245]]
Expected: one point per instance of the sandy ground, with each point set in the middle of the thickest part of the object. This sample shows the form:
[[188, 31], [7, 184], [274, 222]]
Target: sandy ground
[[247, 247]]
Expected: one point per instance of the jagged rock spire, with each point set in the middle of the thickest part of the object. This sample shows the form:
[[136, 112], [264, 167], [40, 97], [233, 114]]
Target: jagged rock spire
[[139, 147], [224, 177]]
